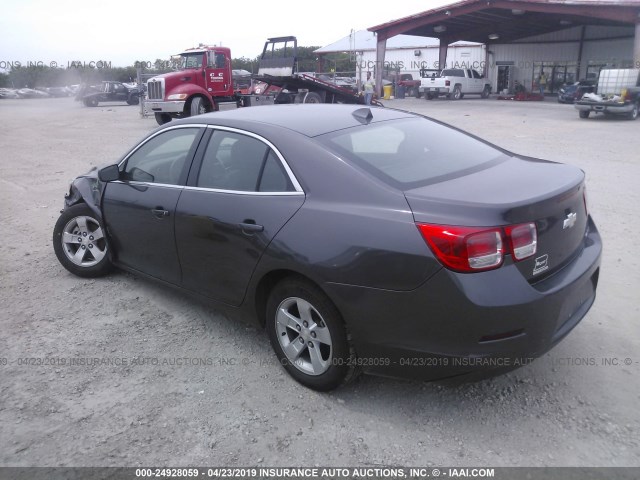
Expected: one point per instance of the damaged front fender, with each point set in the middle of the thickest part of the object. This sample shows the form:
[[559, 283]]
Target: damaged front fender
[[86, 188]]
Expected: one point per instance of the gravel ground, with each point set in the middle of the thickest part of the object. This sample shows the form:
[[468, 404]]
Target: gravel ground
[[185, 385]]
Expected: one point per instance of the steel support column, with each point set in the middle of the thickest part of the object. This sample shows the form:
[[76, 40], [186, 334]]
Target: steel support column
[[442, 57], [381, 48], [636, 47]]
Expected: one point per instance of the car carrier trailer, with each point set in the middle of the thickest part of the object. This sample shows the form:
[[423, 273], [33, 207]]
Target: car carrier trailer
[[204, 82]]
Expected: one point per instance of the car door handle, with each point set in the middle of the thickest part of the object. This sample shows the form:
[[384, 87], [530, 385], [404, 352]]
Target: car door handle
[[160, 212], [250, 227]]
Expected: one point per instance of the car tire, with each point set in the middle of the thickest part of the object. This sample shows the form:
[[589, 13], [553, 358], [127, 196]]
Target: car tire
[[457, 92], [584, 113], [198, 107], [90, 102], [80, 244], [633, 114], [312, 97], [486, 92], [133, 100], [162, 118], [308, 336]]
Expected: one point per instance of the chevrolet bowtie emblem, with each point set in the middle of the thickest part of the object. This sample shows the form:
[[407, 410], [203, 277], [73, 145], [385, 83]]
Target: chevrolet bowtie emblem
[[570, 221]]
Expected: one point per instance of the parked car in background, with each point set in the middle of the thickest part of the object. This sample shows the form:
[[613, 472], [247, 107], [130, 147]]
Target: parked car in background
[[58, 91], [575, 91], [359, 238], [8, 93], [411, 85], [618, 93], [110, 91], [31, 93]]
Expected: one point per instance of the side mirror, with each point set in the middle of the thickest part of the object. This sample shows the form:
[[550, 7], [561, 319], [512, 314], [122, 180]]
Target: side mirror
[[109, 174]]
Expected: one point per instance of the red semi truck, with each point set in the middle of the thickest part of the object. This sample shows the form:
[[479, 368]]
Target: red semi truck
[[204, 81]]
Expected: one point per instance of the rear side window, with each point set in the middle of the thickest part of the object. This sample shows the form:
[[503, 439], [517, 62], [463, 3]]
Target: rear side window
[[237, 162], [410, 153]]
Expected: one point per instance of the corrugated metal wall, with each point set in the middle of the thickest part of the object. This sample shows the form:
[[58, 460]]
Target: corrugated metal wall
[[564, 49], [463, 56]]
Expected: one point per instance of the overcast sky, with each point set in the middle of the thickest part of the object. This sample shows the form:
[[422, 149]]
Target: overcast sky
[[125, 31]]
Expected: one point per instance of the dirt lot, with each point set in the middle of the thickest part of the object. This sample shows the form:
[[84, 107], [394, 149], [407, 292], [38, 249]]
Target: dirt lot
[[187, 386]]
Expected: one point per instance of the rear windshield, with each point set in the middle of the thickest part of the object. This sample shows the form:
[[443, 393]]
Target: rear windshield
[[454, 72], [414, 152]]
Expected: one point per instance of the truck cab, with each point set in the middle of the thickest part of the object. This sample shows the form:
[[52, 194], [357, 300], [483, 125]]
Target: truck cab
[[203, 78]]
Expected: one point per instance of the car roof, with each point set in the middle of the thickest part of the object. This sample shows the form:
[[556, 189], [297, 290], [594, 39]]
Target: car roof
[[308, 119]]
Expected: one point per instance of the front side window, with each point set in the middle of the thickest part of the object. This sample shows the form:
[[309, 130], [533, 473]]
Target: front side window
[[162, 159], [237, 162], [217, 60]]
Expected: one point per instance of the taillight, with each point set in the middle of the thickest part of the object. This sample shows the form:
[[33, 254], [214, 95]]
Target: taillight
[[523, 239], [473, 249], [465, 249], [447, 83]]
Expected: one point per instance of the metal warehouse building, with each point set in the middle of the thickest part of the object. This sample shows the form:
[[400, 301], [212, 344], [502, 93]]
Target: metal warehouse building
[[404, 53], [567, 40]]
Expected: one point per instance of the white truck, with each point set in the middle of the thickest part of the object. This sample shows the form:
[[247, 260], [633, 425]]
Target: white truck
[[455, 83]]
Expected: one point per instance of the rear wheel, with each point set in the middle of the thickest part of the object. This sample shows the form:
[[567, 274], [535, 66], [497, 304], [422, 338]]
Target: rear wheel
[[633, 114], [79, 242], [133, 100], [457, 93], [308, 336], [312, 97], [90, 102], [162, 118], [584, 113]]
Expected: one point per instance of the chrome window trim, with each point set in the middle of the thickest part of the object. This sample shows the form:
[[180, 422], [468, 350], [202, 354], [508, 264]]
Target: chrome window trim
[[244, 192], [292, 177], [150, 184]]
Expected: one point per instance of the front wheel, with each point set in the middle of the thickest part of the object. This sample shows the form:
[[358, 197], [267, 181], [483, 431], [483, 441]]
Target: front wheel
[[308, 336], [162, 118], [198, 106], [79, 242], [90, 102]]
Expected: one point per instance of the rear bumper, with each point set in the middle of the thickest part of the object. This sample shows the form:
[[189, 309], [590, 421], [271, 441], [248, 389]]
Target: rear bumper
[[615, 108], [158, 106], [435, 90], [455, 324]]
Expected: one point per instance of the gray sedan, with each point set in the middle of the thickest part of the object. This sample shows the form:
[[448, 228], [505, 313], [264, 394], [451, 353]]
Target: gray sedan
[[361, 239]]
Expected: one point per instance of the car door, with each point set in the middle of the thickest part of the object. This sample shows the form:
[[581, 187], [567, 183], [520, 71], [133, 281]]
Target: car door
[[139, 209], [240, 193], [477, 82], [218, 76]]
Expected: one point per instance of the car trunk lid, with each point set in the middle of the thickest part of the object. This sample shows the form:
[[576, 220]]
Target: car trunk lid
[[514, 191]]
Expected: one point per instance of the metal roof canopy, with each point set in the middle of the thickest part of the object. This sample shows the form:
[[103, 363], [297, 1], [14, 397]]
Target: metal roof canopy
[[505, 21], [509, 20]]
